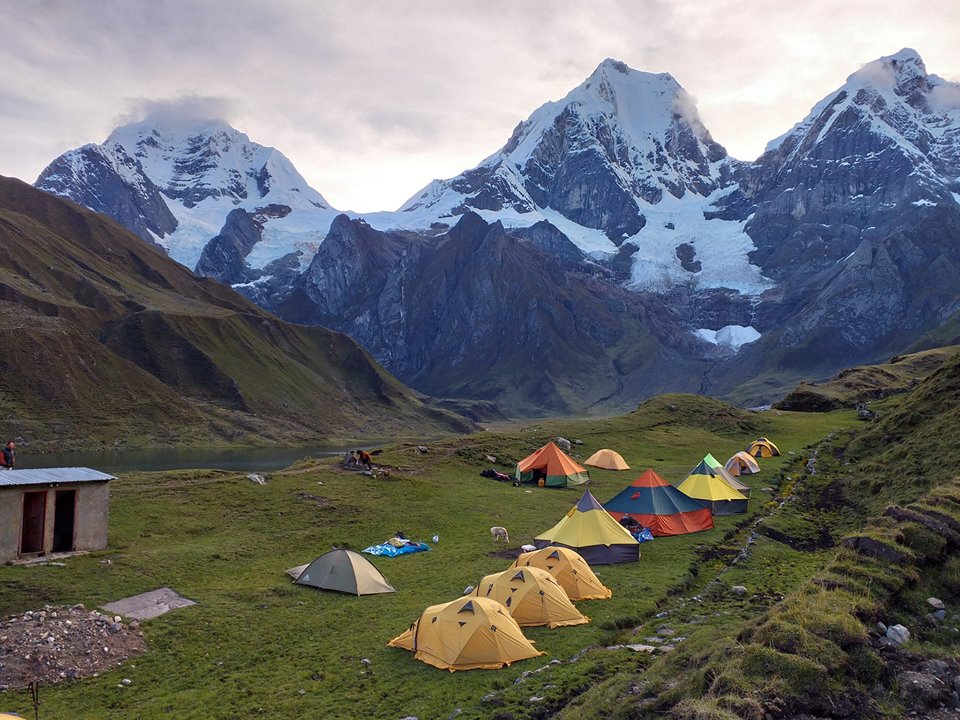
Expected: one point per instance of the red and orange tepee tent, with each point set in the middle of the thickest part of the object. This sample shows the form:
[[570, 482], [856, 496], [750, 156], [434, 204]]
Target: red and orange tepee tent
[[656, 504]]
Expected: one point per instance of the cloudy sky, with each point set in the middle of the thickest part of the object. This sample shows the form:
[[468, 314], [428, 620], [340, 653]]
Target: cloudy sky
[[372, 99]]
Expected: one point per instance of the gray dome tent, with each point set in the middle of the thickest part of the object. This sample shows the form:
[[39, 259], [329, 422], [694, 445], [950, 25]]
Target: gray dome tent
[[344, 571]]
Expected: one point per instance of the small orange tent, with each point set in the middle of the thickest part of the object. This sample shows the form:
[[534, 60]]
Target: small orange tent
[[555, 467], [742, 463], [607, 459]]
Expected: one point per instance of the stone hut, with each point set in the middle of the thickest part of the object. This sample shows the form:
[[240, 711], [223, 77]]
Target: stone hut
[[49, 510]]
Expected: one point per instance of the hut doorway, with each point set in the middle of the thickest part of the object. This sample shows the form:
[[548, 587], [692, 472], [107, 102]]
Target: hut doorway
[[63, 520]]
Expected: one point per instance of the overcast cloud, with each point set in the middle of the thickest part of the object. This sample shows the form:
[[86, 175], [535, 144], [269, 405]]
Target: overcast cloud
[[371, 100]]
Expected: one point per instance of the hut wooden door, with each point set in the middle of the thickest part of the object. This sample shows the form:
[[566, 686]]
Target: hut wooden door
[[34, 515]]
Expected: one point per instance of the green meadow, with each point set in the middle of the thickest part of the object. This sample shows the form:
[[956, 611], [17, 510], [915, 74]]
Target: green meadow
[[257, 645]]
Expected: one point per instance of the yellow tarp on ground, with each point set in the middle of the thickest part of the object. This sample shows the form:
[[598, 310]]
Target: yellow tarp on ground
[[466, 634], [607, 459], [570, 570]]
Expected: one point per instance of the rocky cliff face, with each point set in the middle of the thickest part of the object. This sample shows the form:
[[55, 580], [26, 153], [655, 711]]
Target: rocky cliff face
[[477, 313], [855, 213], [113, 184]]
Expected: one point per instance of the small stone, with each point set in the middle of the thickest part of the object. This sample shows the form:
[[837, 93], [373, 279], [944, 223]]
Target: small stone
[[935, 603], [738, 590], [535, 699], [126, 681], [666, 632], [881, 628], [491, 458], [301, 691], [939, 614], [898, 634]]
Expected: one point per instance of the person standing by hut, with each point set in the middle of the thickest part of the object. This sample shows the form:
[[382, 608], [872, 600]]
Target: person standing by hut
[[8, 457]]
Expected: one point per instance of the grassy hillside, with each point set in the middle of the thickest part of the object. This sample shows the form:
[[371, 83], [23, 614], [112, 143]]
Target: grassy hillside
[[254, 641], [104, 340], [862, 533], [867, 382]]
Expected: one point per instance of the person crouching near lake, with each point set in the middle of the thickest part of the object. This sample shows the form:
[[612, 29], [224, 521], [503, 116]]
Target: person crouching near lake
[[8, 457]]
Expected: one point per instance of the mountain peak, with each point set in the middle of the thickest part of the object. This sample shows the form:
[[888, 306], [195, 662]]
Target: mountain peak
[[897, 72]]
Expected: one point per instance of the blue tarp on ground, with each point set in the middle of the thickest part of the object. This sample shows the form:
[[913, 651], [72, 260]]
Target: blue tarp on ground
[[388, 550]]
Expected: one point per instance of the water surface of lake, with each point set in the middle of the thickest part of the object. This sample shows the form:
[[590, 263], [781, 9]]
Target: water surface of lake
[[120, 461]]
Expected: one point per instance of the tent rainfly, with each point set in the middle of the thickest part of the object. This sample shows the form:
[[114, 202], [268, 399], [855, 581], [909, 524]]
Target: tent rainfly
[[742, 463], [569, 569], [344, 571], [761, 447], [589, 529], [710, 460], [707, 485], [533, 597], [656, 504], [607, 459], [466, 634], [556, 468]]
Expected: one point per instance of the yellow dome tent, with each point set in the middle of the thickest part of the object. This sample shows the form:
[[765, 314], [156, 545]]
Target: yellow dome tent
[[533, 597], [569, 569], [742, 463], [708, 486], [588, 529], [466, 634], [761, 447], [607, 459]]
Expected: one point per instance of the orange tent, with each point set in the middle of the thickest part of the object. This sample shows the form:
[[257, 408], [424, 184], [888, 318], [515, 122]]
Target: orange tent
[[607, 459], [555, 467], [742, 463]]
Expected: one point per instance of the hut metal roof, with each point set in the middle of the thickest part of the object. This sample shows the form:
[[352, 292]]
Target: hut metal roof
[[51, 476]]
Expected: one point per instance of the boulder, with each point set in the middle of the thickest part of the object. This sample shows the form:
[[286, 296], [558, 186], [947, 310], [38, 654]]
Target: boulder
[[898, 634], [563, 444], [935, 603], [923, 689]]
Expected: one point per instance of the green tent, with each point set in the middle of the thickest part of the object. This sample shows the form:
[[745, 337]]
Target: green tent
[[344, 571]]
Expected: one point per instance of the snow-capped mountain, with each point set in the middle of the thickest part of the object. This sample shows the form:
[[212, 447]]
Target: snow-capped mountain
[[622, 159], [184, 178], [855, 211], [838, 245]]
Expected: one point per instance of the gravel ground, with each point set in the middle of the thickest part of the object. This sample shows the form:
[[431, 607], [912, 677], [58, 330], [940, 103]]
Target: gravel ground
[[63, 643]]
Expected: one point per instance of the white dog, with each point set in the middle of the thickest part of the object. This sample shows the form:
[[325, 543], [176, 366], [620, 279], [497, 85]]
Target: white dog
[[500, 533]]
